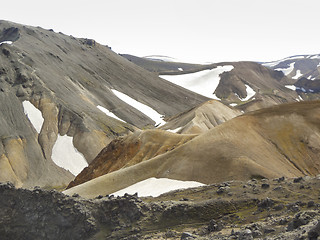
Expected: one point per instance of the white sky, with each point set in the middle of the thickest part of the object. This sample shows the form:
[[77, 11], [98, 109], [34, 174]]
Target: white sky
[[202, 30]]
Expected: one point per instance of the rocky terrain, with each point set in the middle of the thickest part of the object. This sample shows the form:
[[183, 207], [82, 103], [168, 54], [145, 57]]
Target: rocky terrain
[[278, 208]]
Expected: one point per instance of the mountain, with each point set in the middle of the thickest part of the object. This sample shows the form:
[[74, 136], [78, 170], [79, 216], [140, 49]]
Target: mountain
[[245, 85], [144, 145], [130, 150], [65, 98], [166, 65], [200, 119], [298, 66], [279, 141]]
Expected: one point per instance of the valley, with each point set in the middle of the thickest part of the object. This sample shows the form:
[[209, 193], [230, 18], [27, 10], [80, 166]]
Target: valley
[[100, 145]]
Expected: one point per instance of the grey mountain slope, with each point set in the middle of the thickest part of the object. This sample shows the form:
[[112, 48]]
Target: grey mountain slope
[[164, 67], [306, 65], [268, 84], [66, 79]]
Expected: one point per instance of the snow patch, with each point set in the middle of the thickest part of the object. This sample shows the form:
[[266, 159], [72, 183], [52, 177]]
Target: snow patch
[[65, 155], [174, 130], [162, 58], [298, 75], [6, 42], [315, 57], [250, 93], [180, 69], [287, 71], [203, 82], [156, 186], [215, 97], [151, 113], [233, 104], [292, 87], [107, 112], [34, 115]]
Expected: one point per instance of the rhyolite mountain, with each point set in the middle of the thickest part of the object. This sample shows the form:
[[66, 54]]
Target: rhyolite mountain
[[283, 140], [266, 85], [87, 96], [67, 79]]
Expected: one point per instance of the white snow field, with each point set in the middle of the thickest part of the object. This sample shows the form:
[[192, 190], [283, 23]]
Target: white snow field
[[315, 57], [65, 155], [298, 74], [34, 115], [204, 82], [292, 87], [7, 42], [287, 71], [151, 113], [174, 130], [163, 58], [156, 186], [107, 112], [250, 93]]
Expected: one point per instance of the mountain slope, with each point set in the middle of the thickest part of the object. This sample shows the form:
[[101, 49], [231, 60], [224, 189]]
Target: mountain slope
[[160, 66], [75, 83], [246, 85], [280, 141], [200, 119], [298, 66], [130, 150]]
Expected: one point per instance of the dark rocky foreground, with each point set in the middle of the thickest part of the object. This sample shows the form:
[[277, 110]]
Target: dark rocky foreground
[[257, 209]]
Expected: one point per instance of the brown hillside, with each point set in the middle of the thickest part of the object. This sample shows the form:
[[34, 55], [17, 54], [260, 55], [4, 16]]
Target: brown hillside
[[200, 119], [280, 141], [130, 150]]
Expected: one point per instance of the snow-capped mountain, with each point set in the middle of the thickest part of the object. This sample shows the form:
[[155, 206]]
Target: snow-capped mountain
[[296, 67]]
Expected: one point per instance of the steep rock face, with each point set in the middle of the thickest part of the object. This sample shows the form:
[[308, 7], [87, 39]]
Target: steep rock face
[[67, 79], [130, 150], [280, 141]]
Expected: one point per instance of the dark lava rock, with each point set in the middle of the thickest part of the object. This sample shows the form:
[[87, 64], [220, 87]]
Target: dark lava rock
[[300, 219], [266, 203], [278, 207], [245, 235], [265, 185], [214, 226], [268, 230], [223, 189], [297, 180], [314, 233]]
